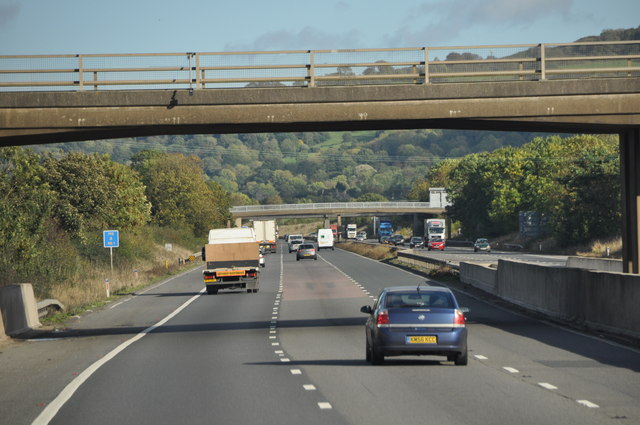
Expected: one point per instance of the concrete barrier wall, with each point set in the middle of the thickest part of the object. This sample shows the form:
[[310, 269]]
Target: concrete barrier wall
[[603, 264], [480, 276], [553, 291], [611, 302], [18, 307], [596, 299]]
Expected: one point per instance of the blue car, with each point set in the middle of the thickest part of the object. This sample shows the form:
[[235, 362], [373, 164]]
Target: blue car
[[416, 320]]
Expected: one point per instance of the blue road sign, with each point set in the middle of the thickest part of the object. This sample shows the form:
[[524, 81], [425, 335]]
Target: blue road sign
[[111, 238]]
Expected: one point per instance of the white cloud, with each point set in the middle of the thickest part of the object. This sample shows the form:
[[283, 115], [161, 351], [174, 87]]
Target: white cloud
[[8, 12], [306, 38], [442, 20]]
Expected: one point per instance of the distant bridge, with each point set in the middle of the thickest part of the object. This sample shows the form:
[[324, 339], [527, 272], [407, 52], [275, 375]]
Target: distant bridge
[[335, 209]]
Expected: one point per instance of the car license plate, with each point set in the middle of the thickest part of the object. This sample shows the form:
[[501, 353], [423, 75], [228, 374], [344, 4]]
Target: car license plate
[[431, 339]]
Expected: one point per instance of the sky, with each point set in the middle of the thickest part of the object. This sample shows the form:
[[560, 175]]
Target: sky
[[48, 27]]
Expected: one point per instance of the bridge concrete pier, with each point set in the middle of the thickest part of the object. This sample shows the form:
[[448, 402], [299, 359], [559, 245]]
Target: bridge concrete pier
[[629, 168]]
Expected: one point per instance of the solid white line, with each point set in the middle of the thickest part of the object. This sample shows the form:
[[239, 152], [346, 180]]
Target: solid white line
[[52, 408], [547, 386], [588, 404]]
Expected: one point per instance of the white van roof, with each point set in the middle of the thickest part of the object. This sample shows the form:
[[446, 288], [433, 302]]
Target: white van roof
[[231, 235]]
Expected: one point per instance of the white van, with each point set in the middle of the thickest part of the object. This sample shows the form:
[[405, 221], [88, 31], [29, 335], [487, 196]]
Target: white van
[[325, 239]]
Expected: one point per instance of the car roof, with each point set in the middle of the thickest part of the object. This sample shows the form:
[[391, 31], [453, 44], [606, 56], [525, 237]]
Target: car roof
[[413, 288]]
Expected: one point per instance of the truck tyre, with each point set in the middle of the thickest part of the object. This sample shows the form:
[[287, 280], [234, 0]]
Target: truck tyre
[[212, 291]]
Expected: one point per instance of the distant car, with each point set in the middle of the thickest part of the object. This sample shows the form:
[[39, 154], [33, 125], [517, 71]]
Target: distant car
[[306, 250], [436, 243], [410, 320], [360, 236], [295, 244], [313, 236], [261, 258], [416, 242], [397, 240], [481, 244], [385, 240]]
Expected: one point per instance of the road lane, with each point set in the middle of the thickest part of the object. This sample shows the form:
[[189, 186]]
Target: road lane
[[214, 363], [422, 389], [294, 353]]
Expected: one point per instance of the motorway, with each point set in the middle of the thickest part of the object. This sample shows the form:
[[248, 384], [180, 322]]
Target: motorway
[[294, 354], [455, 255]]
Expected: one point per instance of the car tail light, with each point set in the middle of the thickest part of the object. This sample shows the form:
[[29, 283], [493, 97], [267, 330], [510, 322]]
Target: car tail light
[[383, 318], [458, 319]]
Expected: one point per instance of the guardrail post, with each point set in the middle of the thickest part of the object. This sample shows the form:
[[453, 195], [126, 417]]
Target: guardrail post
[[311, 70], [543, 63], [426, 65], [80, 73]]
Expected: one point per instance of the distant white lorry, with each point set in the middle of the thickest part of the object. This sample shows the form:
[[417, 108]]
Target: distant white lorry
[[233, 259], [266, 234], [352, 231], [435, 228], [325, 239]]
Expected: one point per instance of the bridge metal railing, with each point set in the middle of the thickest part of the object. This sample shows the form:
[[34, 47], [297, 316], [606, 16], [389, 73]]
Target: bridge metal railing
[[318, 68], [332, 206]]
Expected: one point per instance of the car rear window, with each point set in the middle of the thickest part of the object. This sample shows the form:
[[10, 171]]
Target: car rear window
[[419, 300], [306, 247]]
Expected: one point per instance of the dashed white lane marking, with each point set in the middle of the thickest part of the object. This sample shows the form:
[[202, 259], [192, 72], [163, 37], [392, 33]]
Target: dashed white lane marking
[[309, 387], [56, 404], [480, 357], [511, 369], [547, 386], [325, 406], [588, 404], [296, 372], [285, 360]]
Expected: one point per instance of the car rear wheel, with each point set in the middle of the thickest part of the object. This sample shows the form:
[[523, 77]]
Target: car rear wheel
[[461, 359], [377, 358]]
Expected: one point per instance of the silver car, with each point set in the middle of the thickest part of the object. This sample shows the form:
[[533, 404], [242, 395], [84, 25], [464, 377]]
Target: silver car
[[416, 320]]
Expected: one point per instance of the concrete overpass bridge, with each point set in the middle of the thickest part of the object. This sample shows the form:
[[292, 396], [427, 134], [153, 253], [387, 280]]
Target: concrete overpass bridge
[[334, 209], [566, 87]]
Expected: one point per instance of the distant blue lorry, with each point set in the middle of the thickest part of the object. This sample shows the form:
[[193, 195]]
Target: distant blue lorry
[[385, 228]]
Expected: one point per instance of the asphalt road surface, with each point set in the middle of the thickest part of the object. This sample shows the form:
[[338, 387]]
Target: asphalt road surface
[[294, 354]]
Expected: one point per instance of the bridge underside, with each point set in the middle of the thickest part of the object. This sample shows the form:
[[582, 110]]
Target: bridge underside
[[590, 106], [566, 106]]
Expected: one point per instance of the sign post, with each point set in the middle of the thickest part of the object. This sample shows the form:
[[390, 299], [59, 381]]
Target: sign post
[[111, 239]]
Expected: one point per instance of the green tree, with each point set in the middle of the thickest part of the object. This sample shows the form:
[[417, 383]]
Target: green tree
[[179, 193], [94, 193]]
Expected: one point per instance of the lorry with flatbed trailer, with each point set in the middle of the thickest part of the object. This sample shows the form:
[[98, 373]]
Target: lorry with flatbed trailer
[[232, 259]]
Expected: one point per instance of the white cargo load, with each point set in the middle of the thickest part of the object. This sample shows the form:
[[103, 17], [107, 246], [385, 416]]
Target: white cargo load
[[232, 235]]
